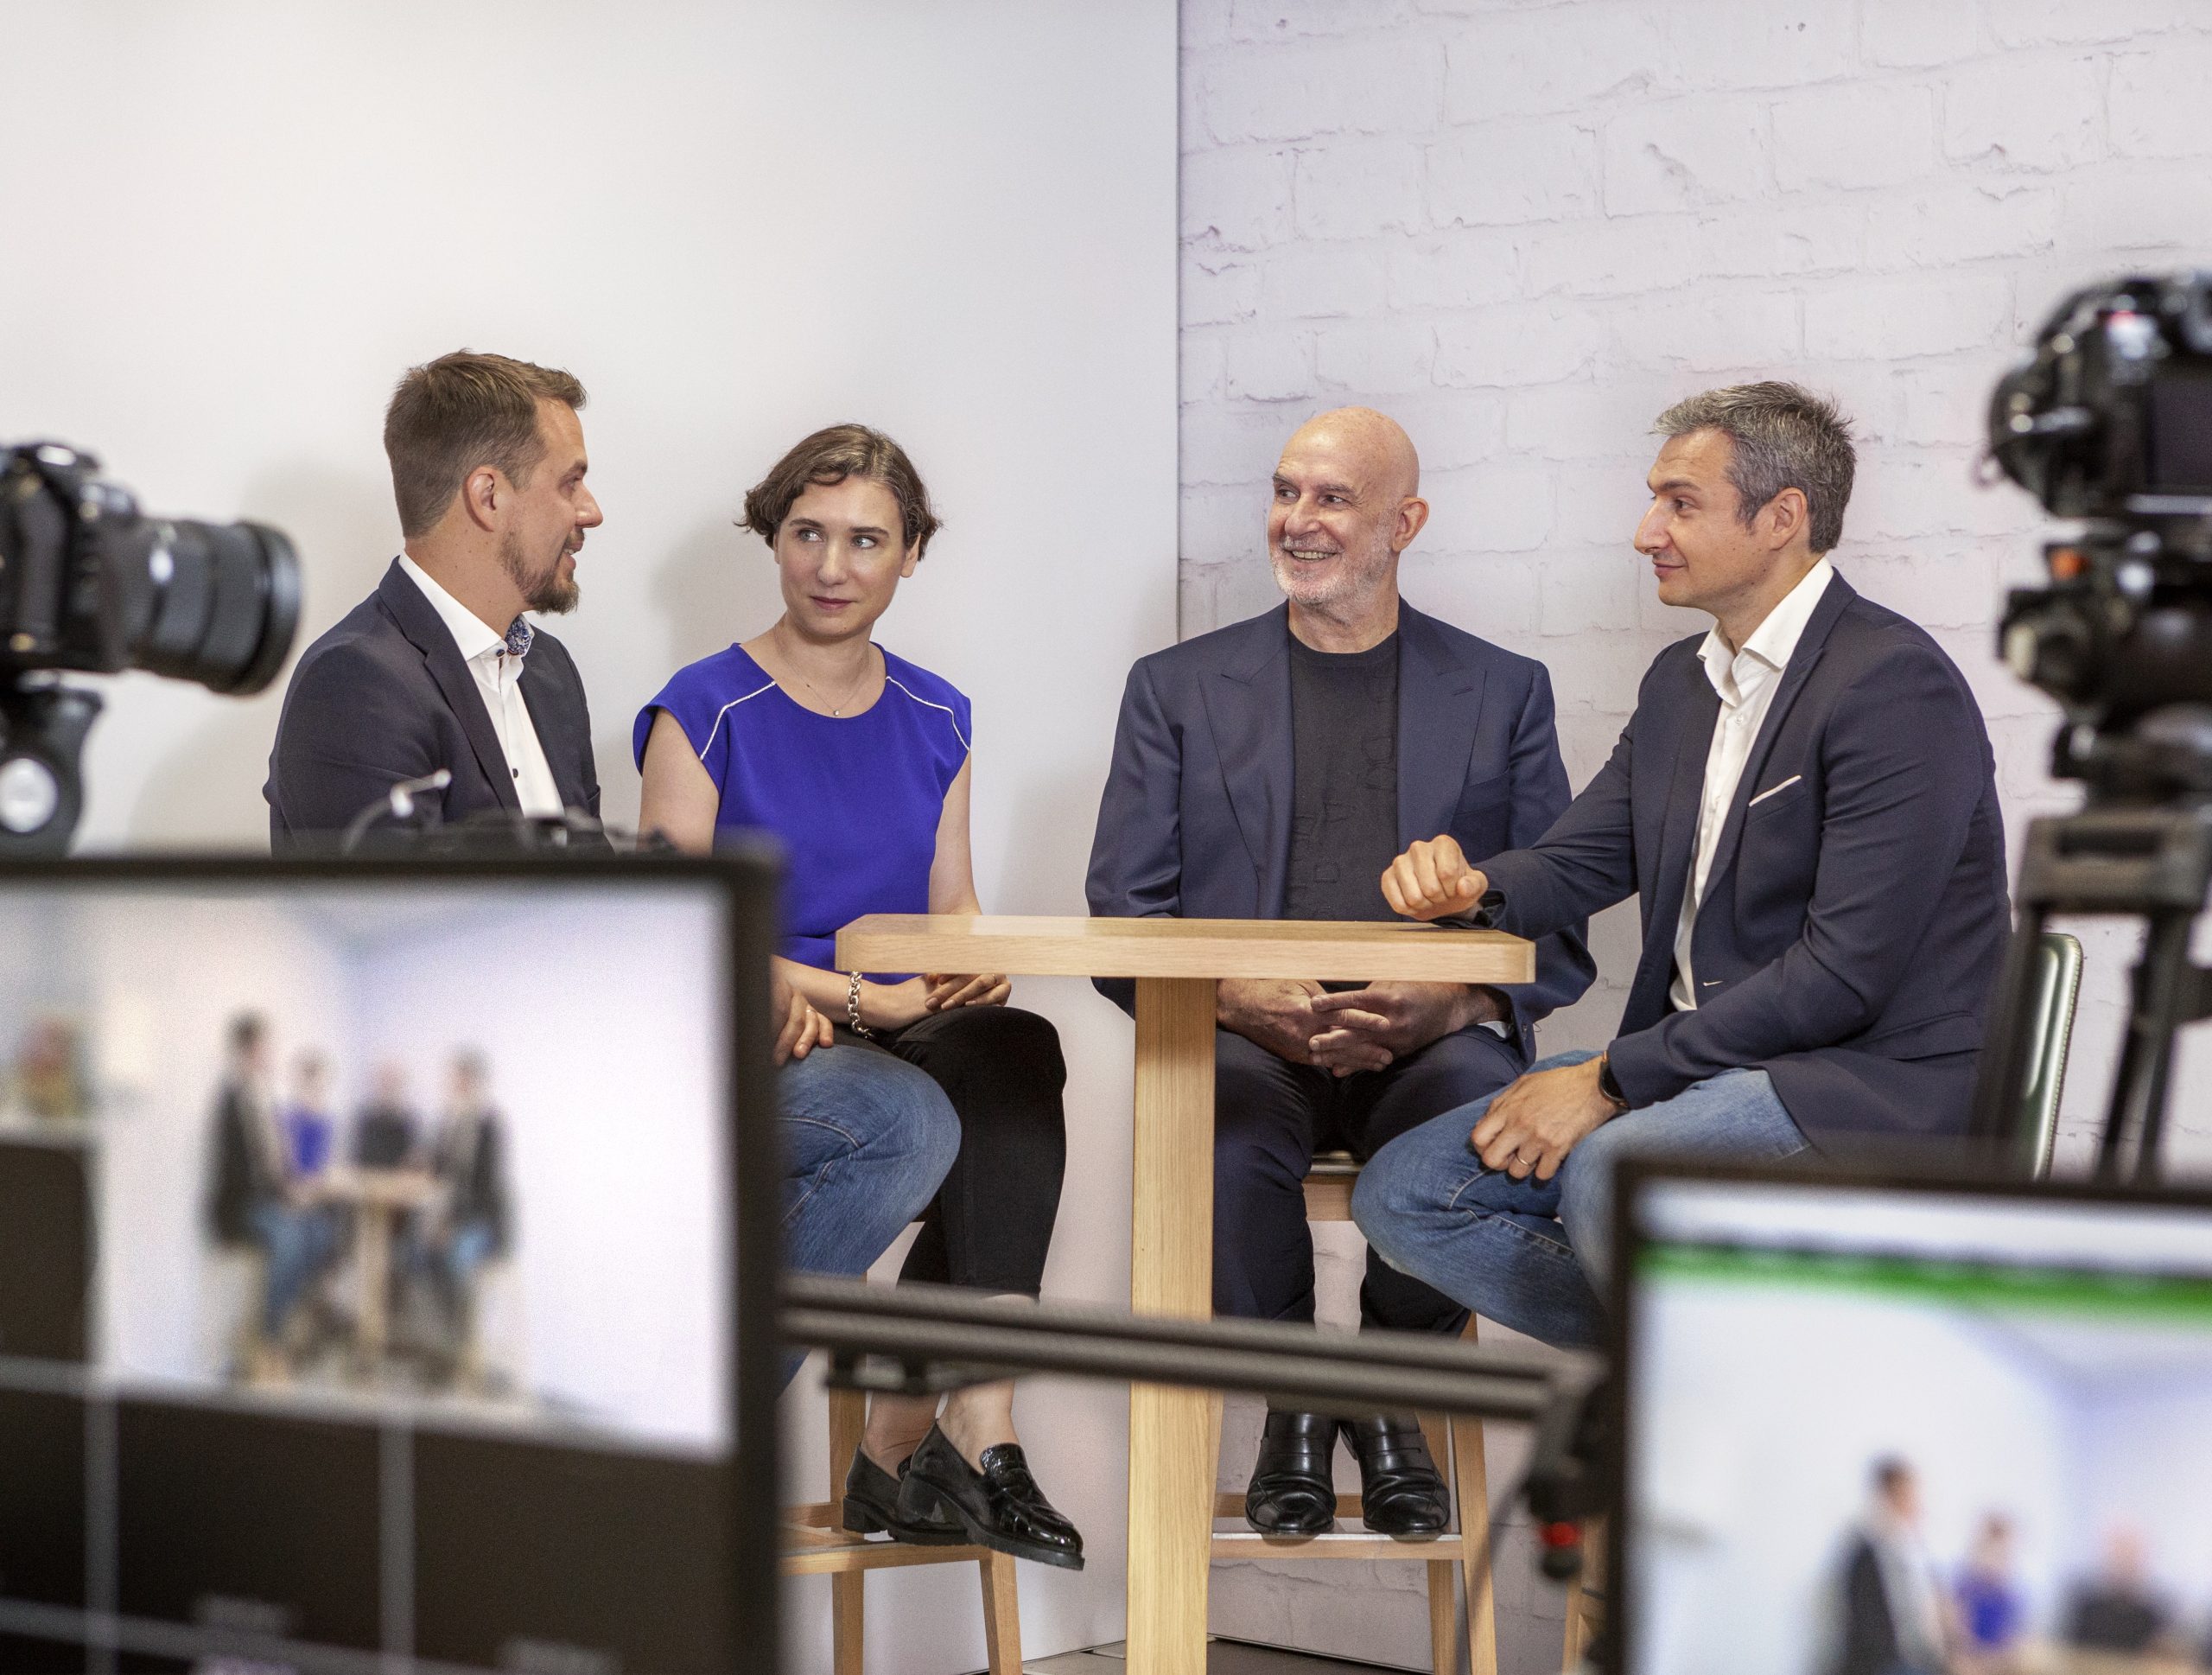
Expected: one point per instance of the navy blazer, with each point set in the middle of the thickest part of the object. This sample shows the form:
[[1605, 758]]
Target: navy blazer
[[1196, 819], [385, 696], [1854, 916]]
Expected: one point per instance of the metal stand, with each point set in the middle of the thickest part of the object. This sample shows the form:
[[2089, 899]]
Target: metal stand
[[924, 1339], [2150, 862], [42, 730]]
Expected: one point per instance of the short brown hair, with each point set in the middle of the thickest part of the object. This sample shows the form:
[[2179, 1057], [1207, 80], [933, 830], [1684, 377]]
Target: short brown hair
[[461, 411], [1784, 436], [829, 456]]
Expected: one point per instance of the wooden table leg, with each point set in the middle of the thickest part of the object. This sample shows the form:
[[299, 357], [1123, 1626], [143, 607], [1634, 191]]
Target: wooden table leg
[[373, 1256], [1171, 1272]]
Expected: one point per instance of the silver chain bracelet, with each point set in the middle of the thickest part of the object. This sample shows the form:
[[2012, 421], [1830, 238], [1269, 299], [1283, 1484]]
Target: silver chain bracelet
[[853, 1009]]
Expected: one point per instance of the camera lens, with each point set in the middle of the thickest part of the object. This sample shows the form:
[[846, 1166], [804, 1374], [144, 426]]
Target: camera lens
[[215, 603]]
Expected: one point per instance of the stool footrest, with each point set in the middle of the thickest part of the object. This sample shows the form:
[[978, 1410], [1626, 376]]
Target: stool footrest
[[837, 1553], [1337, 1544]]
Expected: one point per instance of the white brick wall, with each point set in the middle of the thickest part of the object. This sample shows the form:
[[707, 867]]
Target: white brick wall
[[1525, 225]]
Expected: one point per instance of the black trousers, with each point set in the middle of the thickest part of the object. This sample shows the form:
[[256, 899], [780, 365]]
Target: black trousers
[[990, 1224], [1271, 1117]]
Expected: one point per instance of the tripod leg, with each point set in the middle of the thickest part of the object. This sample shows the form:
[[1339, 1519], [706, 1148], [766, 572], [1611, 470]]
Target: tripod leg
[[2163, 983], [1994, 1134]]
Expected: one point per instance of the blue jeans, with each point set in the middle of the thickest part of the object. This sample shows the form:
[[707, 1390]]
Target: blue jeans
[[867, 1140], [1534, 1255], [450, 1264], [295, 1244]]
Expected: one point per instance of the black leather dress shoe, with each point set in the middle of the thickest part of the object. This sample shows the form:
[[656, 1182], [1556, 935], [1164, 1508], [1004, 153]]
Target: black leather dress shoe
[[1400, 1492], [1000, 1506], [1293, 1490], [871, 1505]]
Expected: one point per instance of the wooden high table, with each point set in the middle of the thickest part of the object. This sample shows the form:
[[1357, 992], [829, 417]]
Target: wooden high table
[[1176, 963]]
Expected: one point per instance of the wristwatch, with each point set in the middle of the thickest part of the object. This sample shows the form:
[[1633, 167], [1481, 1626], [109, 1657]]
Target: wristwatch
[[1609, 1085]]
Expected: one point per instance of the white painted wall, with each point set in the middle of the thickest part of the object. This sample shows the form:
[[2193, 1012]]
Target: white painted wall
[[1525, 225], [734, 222]]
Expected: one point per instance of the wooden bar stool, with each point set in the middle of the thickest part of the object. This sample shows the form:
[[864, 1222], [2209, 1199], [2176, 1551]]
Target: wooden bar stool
[[816, 1543], [1457, 1446]]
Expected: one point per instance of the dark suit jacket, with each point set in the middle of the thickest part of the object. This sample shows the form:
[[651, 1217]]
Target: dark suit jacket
[[240, 1176], [1853, 918], [473, 1167], [1196, 819], [384, 696], [1869, 1639]]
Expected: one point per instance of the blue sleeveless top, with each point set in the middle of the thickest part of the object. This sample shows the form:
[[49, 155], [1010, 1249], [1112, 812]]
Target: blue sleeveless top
[[854, 800]]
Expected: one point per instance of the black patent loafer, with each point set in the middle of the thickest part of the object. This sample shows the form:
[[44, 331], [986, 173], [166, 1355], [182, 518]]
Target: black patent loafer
[[1400, 1492], [872, 1506], [1000, 1506], [1293, 1489]]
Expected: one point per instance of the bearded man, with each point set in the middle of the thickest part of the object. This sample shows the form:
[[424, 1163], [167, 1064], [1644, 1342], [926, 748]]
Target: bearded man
[[1259, 773], [437, 668]]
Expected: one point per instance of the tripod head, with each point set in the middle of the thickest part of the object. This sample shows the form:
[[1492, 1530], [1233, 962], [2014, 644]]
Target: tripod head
[[43, 732]]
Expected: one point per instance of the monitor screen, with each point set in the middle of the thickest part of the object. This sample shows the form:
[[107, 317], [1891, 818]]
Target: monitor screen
[[1914, 1429], [367, 1296]]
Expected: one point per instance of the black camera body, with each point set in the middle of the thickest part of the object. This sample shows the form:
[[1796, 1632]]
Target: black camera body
[[2109, 421], [89, 584]]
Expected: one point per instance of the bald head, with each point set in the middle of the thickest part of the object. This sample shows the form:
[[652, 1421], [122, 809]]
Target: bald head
[[1376, 443], [1347, 502]]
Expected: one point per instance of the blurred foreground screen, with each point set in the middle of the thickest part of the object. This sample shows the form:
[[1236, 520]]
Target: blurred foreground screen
[[1917, 1429], [365, 1295]]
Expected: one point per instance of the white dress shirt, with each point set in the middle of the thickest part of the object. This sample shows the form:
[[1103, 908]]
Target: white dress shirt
[[1746, 681], [499, 678]]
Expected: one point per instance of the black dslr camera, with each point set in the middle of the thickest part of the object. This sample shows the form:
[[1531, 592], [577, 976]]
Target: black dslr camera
[[2109, 420], [89, 584]]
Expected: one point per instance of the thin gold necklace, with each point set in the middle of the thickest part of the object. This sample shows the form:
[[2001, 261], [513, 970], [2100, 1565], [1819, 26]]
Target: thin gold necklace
[[836, 709]]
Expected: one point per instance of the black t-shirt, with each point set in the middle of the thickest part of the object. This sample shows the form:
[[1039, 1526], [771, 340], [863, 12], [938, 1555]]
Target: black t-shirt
[[1343, 800], [2109, 1618]]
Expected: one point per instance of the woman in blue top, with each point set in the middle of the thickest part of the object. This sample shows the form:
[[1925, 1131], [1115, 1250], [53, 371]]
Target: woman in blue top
[[859, 762]]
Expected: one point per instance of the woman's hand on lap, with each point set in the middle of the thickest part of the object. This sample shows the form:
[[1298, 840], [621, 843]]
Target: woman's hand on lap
[[800, 1028], [895, 1005], [945, 992]]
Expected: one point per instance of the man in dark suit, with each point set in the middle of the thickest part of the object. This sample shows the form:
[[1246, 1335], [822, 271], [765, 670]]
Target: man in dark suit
[[1266, 771], [437, 668], [1804, 804], [255, 1199], [1889, 1616]]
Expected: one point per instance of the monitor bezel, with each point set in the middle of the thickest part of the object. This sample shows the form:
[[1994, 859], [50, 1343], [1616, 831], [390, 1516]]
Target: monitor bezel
[[1637, 1175], [747, 875]]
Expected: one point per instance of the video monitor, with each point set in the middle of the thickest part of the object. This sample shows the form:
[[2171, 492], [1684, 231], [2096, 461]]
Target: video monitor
[[1914, 1427], [374, 1286]]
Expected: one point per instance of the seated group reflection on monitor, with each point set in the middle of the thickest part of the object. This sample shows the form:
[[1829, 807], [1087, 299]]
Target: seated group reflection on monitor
[[1894, 1608], [280, 1188], [1803, 805]]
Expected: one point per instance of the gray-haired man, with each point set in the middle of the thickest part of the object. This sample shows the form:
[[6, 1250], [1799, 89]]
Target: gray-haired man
[[1805, 805]]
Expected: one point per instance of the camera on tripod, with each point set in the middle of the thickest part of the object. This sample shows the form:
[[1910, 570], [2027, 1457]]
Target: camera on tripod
[[89, 584], [2109, 420]]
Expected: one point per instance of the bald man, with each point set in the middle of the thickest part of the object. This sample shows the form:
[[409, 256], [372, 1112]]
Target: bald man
[[1266, 771]]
